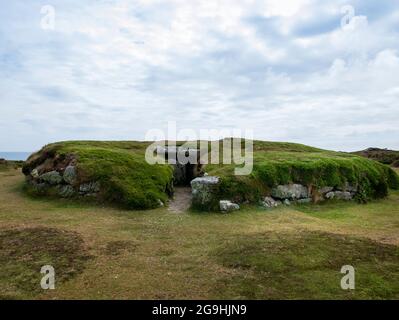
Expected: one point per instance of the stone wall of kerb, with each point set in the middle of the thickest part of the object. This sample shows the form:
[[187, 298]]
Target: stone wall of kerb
[[206, 195], [60, 178]]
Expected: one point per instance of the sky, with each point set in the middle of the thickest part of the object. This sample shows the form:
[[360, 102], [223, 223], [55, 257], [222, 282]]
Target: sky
[[322, 73]]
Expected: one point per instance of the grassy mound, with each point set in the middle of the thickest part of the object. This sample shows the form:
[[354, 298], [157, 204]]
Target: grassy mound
[[128, 180], [283, 163], [125, 177]]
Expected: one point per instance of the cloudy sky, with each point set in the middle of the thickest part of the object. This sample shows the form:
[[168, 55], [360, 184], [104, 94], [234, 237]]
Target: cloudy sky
[[309, 71]]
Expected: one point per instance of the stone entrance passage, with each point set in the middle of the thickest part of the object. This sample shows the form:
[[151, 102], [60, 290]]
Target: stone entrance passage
[[186, 163], [187, 167]]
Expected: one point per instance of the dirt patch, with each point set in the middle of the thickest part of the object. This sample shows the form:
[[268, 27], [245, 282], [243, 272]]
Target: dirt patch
[[181, 201], [24, 251]]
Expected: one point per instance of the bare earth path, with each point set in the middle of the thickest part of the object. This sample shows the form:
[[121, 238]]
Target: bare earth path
[[181, 200]]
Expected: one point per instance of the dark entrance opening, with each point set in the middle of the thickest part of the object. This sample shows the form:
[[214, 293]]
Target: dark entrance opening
[[183, 172], [190, 172]]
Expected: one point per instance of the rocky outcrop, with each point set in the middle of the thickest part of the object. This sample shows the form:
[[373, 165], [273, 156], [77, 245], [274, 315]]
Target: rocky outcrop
[[228, 206], [205, 191]]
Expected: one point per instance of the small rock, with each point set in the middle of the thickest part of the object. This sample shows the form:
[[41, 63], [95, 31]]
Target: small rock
[[160, 203], [269, 202], [287, 202], [290, 191], [52, 177], [325, 190], [35, 173], [66, 191], [90, 188], [340, 195], [208, 180], [41, 187], [70, 174], [343, 195], [351, 189], [227, 206], [330, 195]]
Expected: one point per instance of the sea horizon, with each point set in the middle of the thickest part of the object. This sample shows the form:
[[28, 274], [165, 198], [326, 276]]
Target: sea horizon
[[15, 156]]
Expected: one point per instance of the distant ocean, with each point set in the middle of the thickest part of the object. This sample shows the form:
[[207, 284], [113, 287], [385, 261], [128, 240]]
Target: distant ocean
[[15, 155]]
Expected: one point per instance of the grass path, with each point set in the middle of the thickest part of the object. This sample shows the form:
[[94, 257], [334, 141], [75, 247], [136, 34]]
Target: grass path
[[290, 252]]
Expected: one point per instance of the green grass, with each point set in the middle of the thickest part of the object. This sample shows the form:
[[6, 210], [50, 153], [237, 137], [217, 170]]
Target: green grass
[[128, 180], [291, 252], [24, 251], [288, 265]]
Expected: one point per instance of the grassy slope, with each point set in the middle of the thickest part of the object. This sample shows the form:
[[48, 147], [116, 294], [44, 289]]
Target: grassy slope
[[130, 181], [290, 252]]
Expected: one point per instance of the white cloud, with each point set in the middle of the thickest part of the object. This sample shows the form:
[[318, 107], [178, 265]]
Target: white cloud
[[114, 69]]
